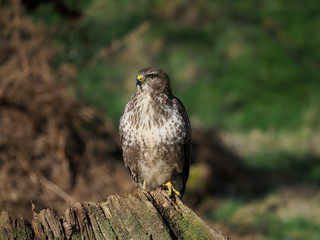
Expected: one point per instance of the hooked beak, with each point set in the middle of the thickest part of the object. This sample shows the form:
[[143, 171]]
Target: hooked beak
[[139, 80]]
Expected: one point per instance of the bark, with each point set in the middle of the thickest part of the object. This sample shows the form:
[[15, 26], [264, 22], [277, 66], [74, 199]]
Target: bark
[[139, 215]]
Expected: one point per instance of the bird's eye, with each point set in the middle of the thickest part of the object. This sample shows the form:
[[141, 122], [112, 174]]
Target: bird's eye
[[152, 76]]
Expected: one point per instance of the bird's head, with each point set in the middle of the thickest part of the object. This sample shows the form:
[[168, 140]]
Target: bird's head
[[153, 79]]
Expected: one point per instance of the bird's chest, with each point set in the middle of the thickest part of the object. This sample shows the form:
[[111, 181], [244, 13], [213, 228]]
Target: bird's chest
[[152, 122]]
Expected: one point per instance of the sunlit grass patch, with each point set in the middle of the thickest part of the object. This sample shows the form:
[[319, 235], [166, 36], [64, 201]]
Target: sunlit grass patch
[[287, 213]]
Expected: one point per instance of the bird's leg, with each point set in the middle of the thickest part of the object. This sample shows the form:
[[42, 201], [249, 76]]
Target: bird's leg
[[171, 189], [144, 186]]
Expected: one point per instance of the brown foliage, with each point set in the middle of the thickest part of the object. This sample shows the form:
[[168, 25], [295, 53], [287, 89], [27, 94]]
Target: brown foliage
[[49, 143]]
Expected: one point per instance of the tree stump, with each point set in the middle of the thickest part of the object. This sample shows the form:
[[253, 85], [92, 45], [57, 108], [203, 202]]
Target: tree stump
[[139, 215]]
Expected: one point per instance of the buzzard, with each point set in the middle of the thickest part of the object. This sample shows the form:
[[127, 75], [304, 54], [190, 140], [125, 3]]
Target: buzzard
[[155, 134]]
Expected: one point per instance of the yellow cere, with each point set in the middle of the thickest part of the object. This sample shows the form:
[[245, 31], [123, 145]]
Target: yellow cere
[[139, 77]]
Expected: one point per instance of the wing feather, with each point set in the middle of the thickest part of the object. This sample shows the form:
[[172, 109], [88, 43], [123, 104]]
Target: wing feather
[[130, 150], [184, 150]]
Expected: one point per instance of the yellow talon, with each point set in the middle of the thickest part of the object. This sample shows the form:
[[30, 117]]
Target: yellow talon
[[171, 189], [144, 186]]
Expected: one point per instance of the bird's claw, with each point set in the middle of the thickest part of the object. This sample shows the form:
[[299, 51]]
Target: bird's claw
[[171, 189], [144, 186]]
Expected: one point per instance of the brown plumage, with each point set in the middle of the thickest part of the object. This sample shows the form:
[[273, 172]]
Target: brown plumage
[[155, 134]]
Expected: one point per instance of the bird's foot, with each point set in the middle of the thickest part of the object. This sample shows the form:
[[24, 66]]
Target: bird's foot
[[171, 190], [144, 185]]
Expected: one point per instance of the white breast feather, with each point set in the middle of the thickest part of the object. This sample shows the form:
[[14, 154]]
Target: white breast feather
[[156, 134]]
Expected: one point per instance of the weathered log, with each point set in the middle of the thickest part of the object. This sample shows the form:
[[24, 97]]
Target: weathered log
[[139, 215]]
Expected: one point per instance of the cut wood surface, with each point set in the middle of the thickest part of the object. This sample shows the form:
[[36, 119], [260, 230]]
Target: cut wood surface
[[139, 215]]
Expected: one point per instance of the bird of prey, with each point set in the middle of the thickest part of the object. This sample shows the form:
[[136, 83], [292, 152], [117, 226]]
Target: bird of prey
[[155, 134]]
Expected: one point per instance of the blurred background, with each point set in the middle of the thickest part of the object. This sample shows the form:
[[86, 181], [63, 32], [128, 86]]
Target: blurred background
[[248, 73]]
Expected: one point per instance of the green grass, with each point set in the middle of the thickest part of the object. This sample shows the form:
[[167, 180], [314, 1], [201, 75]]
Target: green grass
[[293, 229], [264, 222], [238, 66], [225, 212]]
